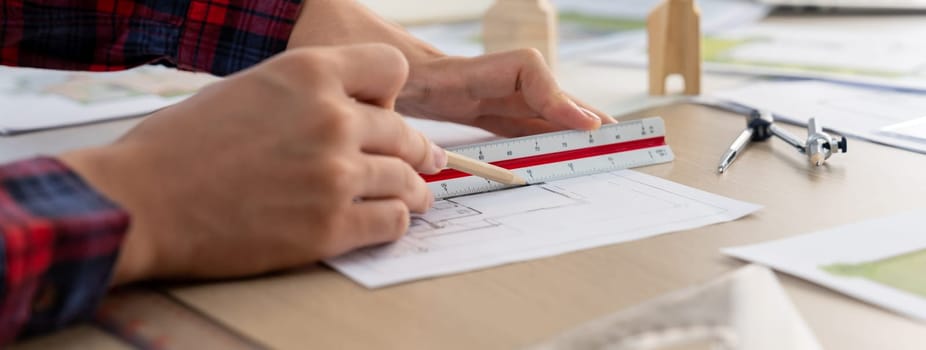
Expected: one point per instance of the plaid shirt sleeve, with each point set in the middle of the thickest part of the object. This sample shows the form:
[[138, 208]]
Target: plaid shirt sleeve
[[58, 243], [217, 36]]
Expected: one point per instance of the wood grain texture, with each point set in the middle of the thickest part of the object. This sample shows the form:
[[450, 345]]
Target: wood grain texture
[[674, 45], [80, 337]]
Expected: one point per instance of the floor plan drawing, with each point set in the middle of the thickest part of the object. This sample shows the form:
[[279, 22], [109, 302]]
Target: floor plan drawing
[[488, 229]]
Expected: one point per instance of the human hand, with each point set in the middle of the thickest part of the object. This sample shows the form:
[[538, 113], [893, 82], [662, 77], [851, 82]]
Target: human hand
[[295, 160], [511, 94]]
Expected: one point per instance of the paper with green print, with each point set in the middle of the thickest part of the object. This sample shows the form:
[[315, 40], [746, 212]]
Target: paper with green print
[[591, 26], [882, 56], [880, 261], [906, 272]]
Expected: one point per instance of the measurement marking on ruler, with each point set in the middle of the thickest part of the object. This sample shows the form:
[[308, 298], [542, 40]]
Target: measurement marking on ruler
[[559, 155], [555, 157]]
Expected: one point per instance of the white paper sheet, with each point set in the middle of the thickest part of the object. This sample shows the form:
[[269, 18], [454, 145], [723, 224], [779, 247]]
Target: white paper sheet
[[882, 55], [913, 129], [36, 99], [854, 111], [428, 11], [489, 229], [881, 261], [448, 134]]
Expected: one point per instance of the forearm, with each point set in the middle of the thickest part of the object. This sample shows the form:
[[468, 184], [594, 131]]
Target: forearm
[[58, 244], [220, 37]]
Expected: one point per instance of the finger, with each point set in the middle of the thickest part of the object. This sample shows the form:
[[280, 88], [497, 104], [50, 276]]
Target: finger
[[375, 222], [391, 178], [515, 106], [605, 117], [524, 72], [515, 127], [386, 133], [371, 73]]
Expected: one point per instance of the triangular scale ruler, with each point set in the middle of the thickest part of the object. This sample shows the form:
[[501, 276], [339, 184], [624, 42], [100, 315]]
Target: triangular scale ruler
[[559, 155]]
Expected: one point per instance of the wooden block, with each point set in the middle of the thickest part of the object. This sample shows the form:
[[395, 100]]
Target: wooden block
[[516, 24], [674, 34]]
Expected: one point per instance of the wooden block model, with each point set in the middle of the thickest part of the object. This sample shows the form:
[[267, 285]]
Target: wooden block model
[[516, 24], [674, 34]]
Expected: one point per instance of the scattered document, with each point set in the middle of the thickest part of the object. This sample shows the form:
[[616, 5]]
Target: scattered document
[[867, 113], [428, 11], [591, 25], [886, 57], [37, 99], [880, 261], [913, 129], [490, 229], [447, 134], [745, 309]]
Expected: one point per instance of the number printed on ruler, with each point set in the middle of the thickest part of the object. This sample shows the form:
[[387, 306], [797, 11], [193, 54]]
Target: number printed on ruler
[[559, 155]]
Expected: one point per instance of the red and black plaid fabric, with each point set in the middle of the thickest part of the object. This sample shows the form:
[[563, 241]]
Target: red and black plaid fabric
[[58, 242], [217, 36]]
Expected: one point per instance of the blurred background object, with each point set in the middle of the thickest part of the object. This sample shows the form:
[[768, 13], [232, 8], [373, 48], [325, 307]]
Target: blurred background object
[[411, 12]]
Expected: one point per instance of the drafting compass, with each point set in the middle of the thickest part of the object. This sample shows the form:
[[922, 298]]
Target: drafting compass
[[760, 126]]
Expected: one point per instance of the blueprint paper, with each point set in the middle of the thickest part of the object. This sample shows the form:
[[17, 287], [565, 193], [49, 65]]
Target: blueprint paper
[[880, 261], [495, 228]]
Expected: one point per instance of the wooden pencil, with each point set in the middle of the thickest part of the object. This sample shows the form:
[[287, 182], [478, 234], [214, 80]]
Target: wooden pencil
[[483, 169]]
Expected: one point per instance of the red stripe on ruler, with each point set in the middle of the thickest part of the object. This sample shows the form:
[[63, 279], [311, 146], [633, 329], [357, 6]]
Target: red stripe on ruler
[[555, 157]]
